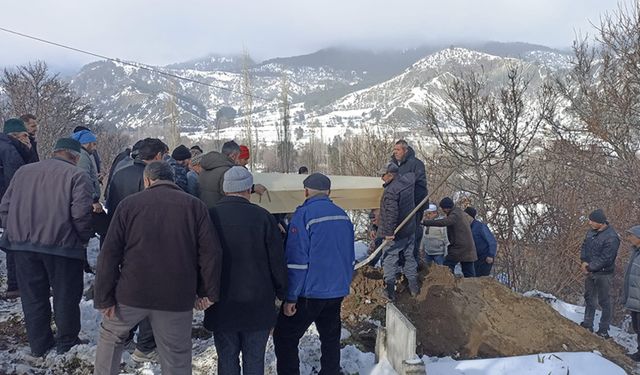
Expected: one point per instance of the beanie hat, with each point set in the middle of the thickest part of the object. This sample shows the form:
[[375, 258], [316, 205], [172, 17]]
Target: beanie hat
[[432, 208], [237, 179], [195, 160], [84, 137], [317, 181], [67, 144], [389, 168], [14, 125], [635, 230], [598, 216], [447, 203], [244, 152], [471, 212], [181, 153]]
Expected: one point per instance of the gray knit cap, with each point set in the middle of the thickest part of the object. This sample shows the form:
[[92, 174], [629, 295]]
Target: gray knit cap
[[237, 179]]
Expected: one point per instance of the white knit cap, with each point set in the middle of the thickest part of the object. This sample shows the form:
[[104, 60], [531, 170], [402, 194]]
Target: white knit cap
[[237, 179], [432, 208]]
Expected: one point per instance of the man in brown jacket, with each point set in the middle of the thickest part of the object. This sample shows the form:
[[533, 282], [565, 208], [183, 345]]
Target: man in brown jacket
[[47, 215], [161, 252], [461, 246]]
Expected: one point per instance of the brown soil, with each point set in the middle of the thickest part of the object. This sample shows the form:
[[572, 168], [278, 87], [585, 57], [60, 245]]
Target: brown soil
[[476, 318]]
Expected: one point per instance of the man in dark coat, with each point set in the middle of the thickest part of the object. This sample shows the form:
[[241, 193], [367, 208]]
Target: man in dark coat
[[405, 158], [396, 203], [182, 156], [128, 181], [631, 286], [461, 248], [161, 252], [31, 123], [48, 233], [254, 273], [486, 244], [598, 256], [13, 155]]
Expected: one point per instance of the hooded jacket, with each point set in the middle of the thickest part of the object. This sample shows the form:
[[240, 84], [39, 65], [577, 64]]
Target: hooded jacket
[[88, 164], [214, 165], [631, 286], [396, 203], [410, 164], [461, 246]]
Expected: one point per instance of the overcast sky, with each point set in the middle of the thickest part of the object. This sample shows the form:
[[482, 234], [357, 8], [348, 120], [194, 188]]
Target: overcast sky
[[161, 32]]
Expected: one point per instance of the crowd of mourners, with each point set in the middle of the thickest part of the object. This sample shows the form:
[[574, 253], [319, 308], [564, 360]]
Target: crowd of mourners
[[178, 232]]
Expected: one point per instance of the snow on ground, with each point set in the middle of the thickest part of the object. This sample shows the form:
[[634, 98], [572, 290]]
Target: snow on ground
[[16, 359]]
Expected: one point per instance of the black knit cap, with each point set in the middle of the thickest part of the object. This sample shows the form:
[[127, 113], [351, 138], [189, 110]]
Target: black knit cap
[[471, 212], [67, 144], [181, 153], [446, 203], [598, 216], [317, 181], [14, 125]]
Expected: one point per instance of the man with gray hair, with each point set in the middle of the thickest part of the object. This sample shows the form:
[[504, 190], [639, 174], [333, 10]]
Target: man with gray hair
[[253, 275], [161, 252], [48, 233]]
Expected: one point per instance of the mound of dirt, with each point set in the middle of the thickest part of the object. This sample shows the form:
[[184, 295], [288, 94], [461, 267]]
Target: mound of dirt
[[479, 318]]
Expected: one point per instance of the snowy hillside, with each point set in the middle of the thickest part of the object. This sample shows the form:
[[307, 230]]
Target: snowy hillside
[[329, 96]]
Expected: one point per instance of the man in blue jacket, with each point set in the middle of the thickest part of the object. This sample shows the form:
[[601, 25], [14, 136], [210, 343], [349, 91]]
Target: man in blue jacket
[[320, 258], [486, 244]]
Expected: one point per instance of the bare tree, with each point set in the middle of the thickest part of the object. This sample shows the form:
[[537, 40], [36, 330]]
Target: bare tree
[[248, 109]]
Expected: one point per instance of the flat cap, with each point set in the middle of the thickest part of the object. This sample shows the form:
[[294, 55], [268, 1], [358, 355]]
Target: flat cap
[[317, 181]]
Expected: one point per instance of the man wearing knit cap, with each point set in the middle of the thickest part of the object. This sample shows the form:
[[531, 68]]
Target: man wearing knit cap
[[14, 153], [598, 256], [182, 156], [87, 163], [461, 248], [254, 273], [486, 244], [48, 234], [435, 240], [243, 158], [320, 258]]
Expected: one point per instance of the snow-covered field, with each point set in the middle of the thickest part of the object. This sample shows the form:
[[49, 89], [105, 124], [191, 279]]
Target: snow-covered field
[[15, 359]]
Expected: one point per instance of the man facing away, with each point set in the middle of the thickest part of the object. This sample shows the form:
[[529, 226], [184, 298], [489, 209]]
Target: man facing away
[[48, 233], [631, 286], [461, 246], [254, 273], [598, 256], [161, 252], [320, 257], [434, 241], [486, 244], [395, 205]]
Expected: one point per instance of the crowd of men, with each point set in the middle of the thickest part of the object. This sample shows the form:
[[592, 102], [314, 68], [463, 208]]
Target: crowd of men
[[179, 233]]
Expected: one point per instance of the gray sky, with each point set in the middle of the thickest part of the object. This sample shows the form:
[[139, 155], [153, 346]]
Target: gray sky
[[162, 32]]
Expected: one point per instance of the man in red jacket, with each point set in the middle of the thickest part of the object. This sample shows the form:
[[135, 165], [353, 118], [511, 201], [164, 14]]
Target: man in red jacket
[[161, 252]]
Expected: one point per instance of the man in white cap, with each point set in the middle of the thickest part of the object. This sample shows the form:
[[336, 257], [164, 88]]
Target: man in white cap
[[435, 240], [253, 275]]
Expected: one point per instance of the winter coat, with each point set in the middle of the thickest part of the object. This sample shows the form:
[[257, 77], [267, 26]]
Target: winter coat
[[253, 267], [180, 174], [47, 209], [125, 182], [161, 251], [120, 157], [631, 286], [396, 203], [410, 164], [461, 246], [214, 165], [486, 244], [87, 164], [435, 240], [33, 157], [600, 249], [10, 161], [319, 251], [193, 186]]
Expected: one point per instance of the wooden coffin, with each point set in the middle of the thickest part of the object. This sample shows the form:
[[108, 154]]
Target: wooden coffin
[[286, 191]]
